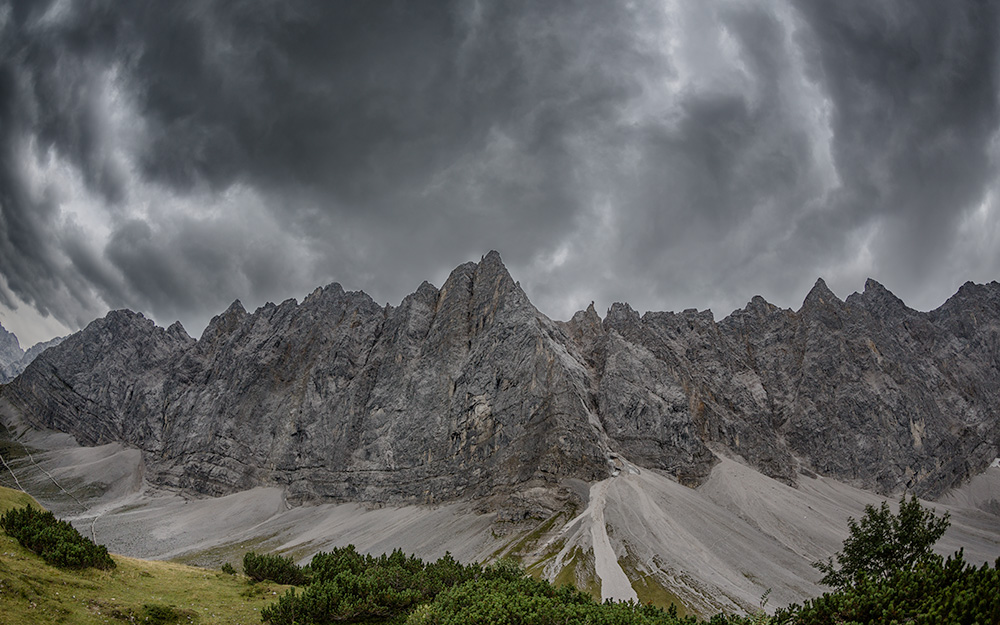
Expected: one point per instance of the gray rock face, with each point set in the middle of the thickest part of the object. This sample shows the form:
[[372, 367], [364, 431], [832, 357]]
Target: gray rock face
[[10, 349], [14, 369], [462, 392], [468, 392]]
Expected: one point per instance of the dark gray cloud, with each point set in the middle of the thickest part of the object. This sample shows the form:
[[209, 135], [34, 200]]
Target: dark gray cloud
[[914, 88], [171, 157]]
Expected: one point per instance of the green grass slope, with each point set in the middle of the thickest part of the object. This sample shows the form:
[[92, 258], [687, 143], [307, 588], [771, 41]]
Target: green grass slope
[[137, 591], [10, 498]]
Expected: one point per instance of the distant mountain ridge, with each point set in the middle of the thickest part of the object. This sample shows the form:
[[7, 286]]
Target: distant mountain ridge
[[10, 348], [14, 360], [469, 392]]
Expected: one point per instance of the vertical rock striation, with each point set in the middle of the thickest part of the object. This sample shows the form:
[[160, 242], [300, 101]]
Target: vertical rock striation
[[10, 349], [468, 392], [463, 392], [15, 367]]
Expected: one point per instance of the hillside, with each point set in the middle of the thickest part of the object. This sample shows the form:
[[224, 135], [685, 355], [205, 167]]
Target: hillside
[[718, 546], [34, 592]]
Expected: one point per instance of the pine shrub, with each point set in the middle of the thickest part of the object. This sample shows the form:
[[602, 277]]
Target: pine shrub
[[280, 570], [56, 541], [347, 586]]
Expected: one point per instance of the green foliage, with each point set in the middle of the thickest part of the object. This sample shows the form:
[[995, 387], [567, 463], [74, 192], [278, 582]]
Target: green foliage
[[502, 597], [760, 618], [350, 587], [883, 543], [157, 614], [934, 591], [504, 570], [264, 566], [889, 575], [56, 541], [228, 569]]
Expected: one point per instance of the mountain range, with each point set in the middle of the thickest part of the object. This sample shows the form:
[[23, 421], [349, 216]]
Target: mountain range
[[467, 393], [13, 359]]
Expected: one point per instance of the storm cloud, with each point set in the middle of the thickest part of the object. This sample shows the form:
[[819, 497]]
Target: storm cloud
[[170, 157]]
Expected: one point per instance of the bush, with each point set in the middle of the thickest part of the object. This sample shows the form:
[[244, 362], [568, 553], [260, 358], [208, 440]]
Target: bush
[[501, 597], [888, 574], [228, 569], [350, 587], [934, 591], [57, 542], [883, 543], [260, 567]]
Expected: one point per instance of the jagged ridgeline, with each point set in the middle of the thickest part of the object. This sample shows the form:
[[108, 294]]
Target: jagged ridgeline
[[14, 360], [469, 392]]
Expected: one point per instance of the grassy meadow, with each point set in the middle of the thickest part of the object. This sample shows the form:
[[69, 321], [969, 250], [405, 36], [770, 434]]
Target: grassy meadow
[[137, 591]]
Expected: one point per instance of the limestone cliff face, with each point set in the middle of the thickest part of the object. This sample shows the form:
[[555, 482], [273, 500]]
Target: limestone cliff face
[[16, 366], [10, 349], [865, 390], [468, 392], [463, 392]]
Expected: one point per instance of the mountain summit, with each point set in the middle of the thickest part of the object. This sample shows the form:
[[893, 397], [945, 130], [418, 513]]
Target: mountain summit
[[14, 360], [468, 392], [10, 348]]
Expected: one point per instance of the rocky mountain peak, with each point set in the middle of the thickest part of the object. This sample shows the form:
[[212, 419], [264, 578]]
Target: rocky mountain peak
[[491, 266], [758, 303], [820, 295], [235, 309], [332, 290], [426, 291], [972, 311], [874, 287], [10, 370], [587, 318], [971, 289], [176, 330], [880, 300], [468, 392], [972, 294], [585, 326], [225, 323], [473, 297], [760, 306], [10, 348], [493, 287], [621, 318], [123, 322]]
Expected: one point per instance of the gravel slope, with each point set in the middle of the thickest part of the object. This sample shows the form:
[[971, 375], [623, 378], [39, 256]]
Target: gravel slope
[[720, 546]]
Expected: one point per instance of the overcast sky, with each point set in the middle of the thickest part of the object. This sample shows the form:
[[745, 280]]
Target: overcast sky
[[170, 157]]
